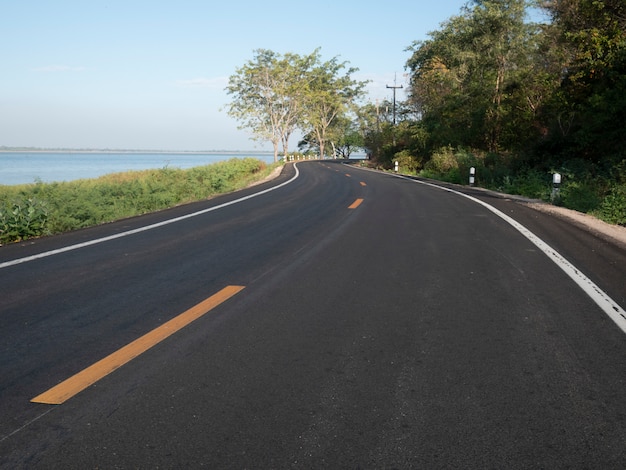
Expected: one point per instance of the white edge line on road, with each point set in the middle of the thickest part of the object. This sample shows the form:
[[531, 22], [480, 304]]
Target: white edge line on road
[[45, 254], [601, 298]]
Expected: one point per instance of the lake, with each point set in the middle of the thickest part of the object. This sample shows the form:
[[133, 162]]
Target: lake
[[29, 167]]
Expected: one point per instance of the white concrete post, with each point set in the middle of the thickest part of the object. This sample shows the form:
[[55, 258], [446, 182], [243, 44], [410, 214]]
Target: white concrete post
[[556, 185]]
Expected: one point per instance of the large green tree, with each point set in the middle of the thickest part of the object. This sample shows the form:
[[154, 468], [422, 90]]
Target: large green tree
[[588, 112], [266, 96], [274, 94], [331, 94], [471, 79]]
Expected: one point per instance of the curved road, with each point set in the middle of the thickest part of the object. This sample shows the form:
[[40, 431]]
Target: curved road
[[346, 319]]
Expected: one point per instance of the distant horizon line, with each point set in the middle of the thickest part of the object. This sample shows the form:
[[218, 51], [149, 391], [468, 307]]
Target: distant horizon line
[[6, 148]]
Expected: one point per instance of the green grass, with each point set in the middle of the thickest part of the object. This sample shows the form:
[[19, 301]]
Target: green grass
[[33, 210], [585, 188]]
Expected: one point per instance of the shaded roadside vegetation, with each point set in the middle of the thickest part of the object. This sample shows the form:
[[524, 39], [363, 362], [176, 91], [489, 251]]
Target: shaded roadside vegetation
[[584, 188], [33, 210], [518, 100]]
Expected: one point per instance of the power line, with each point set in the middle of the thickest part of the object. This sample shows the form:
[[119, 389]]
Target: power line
[[394, 88]]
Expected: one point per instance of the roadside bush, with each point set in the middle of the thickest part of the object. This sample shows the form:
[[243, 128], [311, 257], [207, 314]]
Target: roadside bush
[[23, 218], [41, 208], [407, 162], [441, 162], [529, 183], [580, 196], [613, 207], [443, 165], [452, 166], [587, 187], [465, 161]]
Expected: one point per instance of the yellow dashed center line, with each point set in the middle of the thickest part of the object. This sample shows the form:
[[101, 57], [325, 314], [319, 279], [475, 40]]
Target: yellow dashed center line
[[355, 204], [77, 383]]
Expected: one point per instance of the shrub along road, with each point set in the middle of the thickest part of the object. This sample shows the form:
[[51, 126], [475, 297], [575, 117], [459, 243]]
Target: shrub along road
[[372, 322]]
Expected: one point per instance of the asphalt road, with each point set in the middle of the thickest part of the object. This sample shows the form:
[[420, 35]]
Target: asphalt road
[[382, 323]]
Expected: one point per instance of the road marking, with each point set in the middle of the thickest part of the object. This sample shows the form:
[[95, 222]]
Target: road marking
[[45, 254], [348, 175], [77, 383], [609, 306], [355, 204], [363, 184]]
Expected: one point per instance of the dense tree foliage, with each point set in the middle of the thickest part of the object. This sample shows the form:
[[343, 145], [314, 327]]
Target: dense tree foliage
[[273, 95], [331, 94], [473, 80], [266, 96], [589, 107], [518, 100]]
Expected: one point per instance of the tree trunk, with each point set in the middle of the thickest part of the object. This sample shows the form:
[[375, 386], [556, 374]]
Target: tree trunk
[[275, 144]]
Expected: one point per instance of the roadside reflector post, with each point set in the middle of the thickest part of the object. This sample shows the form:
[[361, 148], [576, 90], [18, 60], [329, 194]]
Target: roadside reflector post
[[396, 166], [556, 185], [472, 177]]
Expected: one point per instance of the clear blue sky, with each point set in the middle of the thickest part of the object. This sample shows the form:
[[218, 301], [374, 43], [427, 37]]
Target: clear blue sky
[[151, 74]]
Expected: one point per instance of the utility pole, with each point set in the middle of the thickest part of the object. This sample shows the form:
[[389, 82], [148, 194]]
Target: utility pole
[[394, 88]]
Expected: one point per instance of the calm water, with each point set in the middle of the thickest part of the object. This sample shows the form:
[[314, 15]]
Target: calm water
[[29, 167]]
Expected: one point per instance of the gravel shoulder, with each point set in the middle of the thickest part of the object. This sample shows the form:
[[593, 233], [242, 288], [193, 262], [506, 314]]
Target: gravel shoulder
[[611, 233], [615, 233]]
